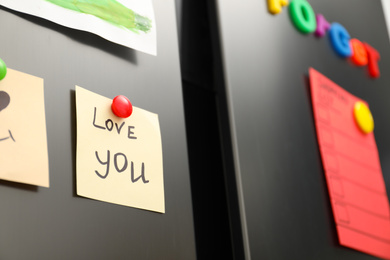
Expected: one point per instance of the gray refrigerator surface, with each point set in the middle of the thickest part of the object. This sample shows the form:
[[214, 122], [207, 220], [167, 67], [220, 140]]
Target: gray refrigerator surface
[[284, 204], [55, 223]]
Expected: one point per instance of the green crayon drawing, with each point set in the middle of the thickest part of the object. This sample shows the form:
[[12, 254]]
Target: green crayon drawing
[[110, 11]]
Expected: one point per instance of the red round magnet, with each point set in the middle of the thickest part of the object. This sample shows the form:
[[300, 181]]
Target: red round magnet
[[121, 106]]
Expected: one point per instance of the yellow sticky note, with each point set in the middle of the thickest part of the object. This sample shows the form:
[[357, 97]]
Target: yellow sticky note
[[119, 160], [23, 142]]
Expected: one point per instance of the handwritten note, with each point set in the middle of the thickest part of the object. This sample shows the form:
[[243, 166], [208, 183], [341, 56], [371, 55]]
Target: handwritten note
[[23, 143], [352, 169], [119, 160]]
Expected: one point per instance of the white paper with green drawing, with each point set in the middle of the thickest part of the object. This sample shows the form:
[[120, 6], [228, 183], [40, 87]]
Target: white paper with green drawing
[[126, 22]]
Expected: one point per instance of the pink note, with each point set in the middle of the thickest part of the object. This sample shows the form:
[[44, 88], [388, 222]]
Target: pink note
[[352, 168]]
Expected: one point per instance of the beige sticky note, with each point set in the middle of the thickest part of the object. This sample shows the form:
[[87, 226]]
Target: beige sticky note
[[119, 160], [23, 144]]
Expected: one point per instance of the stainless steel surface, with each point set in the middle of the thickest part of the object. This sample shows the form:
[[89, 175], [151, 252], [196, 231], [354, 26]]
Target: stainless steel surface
[[54, 223], [284, 203]]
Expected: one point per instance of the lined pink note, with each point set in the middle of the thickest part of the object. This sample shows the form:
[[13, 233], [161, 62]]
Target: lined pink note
[[352, 168]]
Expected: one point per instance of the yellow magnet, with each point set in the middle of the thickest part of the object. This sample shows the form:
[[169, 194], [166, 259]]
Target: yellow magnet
[[275, 6], [363, 117]]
